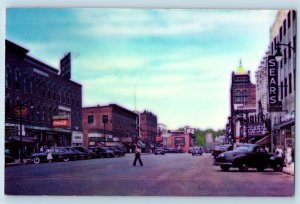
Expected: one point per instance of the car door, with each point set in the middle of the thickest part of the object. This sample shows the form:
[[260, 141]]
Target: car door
[[260, 156]]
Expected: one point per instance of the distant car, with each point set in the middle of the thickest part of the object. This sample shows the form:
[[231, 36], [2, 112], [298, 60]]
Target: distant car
[[197, 151], [159, 151], [8, 157], [102, 152], [117, 152], [170, 150], [88, 154], [190, 150], [220, 149], [58, 154], [249, 156]]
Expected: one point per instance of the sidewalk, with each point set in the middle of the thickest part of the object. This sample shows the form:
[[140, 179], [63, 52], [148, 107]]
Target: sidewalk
[[16, 162], [289, 169]]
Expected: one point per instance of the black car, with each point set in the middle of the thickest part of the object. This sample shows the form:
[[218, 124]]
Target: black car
[[159, 151], [249, 156], [220, 149], [8, 157], [102, 152], [170, 150], [197, 151], [117, 152], [58, 154], [79, 155], [88, 154]]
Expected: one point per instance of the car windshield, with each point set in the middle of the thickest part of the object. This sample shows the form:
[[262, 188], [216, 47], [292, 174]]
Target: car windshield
[[243, 148]]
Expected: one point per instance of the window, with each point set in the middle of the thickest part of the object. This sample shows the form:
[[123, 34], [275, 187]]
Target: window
[[90, 119], [281, 90], [294, 43], [289, 51], [53, 92], [294, 79], [280, 33], [289, 19], [285, 87], [290, 83], [31, 85], [17, 80], [49, 90], [7, 79], [238, 96], [294, 15], [284, 56], [284, 27]]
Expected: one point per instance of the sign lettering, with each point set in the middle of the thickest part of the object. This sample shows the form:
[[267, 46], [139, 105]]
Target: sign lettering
[[274, 103]]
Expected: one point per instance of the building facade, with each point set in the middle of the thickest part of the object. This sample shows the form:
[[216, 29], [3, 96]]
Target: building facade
[[242, 102], [42, 106], [148, 128], [105, 125], [180, 140], [283, 32]]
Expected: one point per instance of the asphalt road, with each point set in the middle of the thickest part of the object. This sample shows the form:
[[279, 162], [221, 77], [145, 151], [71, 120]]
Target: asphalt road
[[161, 175]]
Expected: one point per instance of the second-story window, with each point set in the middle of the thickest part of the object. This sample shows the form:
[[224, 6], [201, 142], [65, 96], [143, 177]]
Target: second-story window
[[90, 119], [17, 79], [7, 78]]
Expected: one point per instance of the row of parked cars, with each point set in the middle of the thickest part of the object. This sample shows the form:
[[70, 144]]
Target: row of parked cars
[[75, 153]]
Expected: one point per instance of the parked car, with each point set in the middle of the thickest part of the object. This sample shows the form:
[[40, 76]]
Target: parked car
[[159, 150], [58, 154], [117, 152], [190, 150], [249, 156], [197, 151], [8, 157], [102, 152], [88, 154], [220, 149], [79, 154], [170, 150]]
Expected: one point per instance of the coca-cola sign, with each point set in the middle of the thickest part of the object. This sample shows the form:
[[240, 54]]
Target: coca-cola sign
[[61, 123]]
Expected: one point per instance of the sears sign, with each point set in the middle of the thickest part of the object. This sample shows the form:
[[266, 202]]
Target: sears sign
[[274, 103]]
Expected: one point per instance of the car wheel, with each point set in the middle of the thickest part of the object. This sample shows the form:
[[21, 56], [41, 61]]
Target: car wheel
[[65, 159], [243, 167], [278, 167], [225, 168], [36, 160]]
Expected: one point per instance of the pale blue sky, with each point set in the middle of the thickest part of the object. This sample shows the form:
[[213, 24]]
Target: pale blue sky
[[178, 61]]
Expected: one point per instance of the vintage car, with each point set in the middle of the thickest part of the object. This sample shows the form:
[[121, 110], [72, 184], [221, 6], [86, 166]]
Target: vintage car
[[220, 149], [102, 152], [159, 150], [249, 156], [88, 154], [197, 150], [58, 154]]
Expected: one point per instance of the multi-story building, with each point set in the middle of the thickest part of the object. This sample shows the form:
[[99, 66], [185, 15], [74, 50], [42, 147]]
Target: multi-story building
[[148, 128], [42, 106], [105, 125], [283, 32], [180, 140], [242, 101]]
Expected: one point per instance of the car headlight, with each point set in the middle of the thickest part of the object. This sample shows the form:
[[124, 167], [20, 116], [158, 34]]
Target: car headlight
[[222, 155]]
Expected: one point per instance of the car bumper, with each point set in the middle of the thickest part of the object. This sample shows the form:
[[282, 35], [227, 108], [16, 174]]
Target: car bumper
[[222, 163]]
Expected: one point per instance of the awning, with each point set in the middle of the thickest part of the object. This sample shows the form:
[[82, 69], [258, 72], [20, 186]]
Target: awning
[[25, 139], [284, 124], [264, 140]]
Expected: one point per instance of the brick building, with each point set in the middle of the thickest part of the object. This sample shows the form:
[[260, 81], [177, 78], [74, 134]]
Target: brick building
[[109, 125], [49, 102], [148, 128], [181, 140]]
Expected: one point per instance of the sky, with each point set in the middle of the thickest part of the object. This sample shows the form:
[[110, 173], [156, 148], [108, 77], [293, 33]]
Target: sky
[[176, 63]]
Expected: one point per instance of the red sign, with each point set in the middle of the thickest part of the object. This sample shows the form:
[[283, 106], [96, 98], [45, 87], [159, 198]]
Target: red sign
[[21, 111], [61, 123]]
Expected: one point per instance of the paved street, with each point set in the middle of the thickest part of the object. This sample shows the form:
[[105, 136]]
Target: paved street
[[161, 175]]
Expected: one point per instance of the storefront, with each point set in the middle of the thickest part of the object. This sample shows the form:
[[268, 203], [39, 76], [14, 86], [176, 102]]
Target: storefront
[[285, 131]]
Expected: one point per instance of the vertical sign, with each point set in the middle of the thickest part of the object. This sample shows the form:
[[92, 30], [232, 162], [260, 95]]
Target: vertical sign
[[65, 66], [274, 103]]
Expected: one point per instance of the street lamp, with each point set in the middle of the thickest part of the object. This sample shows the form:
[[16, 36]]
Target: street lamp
[[278, 54]]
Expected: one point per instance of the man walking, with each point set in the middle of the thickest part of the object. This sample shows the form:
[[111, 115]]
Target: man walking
[[137, 156]]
